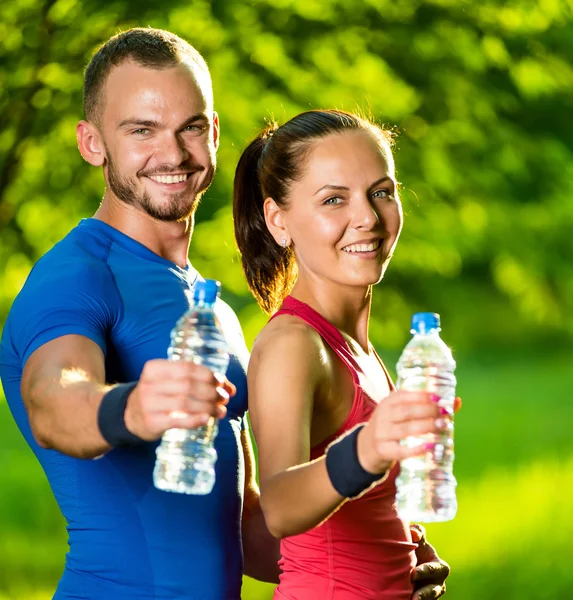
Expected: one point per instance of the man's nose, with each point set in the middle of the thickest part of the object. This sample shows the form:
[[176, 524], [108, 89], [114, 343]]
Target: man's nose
[[172, 150]]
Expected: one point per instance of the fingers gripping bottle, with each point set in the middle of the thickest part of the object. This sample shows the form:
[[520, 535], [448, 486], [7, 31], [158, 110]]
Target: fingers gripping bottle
[[426, 486], [186, 457]]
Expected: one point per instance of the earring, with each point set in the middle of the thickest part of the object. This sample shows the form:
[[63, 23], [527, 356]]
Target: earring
[[284, 243]]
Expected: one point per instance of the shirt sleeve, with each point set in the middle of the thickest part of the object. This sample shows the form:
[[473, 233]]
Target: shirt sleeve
[[75, 298]]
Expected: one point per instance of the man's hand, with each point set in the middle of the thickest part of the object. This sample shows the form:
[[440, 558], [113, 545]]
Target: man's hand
[[175, 395], [429, 576]]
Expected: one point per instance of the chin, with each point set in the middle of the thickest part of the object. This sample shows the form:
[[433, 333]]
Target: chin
[[172, 209], [374, 277], [362, 282]]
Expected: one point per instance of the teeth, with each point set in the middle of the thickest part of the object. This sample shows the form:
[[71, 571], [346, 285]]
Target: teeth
[[362, 247], [169, 178]]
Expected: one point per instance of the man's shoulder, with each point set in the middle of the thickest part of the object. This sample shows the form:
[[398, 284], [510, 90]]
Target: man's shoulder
[[82, 245], [69, 290], [76, 265], [78, 258]]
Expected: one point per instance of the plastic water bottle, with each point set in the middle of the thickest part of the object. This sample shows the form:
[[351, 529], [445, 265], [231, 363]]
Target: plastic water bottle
[[186, 457], [426, 486]]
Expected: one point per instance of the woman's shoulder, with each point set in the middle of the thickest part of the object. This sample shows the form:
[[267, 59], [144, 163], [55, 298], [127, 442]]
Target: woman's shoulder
[[288, 338], [290, 359]]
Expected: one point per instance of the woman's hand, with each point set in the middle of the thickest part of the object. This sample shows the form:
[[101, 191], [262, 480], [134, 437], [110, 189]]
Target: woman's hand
[[398, 416]]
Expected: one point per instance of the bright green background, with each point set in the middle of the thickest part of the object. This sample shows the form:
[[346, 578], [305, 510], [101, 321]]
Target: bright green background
[[481, 95]]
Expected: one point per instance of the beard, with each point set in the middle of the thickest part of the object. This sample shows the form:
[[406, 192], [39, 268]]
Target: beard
[[181, 205]]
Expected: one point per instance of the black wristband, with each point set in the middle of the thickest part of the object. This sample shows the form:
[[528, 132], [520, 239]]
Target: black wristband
[[347, 475], [111, 417]]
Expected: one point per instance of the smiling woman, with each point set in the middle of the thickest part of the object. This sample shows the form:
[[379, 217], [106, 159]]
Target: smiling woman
[[317, 217], [271, 168]]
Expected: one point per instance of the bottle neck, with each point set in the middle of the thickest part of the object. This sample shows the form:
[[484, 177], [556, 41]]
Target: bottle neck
[[427, 332], [203, 304]]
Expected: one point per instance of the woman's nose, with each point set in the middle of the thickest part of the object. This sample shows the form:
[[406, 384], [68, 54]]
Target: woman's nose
[[365, 215]]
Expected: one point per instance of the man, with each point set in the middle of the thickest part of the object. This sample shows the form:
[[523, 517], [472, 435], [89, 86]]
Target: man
[[98, 309]]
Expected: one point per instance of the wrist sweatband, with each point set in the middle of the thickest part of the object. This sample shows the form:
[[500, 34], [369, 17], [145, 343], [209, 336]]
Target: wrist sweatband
[[111, 417], [347, 475]]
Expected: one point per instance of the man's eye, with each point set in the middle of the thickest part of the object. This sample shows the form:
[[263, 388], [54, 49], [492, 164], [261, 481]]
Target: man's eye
[[194, 128], [141, 131]]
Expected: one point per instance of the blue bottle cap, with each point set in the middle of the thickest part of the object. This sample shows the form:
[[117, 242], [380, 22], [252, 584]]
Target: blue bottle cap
[[424, 322], [206, 291]]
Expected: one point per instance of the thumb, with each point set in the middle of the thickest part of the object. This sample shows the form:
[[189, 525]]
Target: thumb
[[418, 532], [225, 387]]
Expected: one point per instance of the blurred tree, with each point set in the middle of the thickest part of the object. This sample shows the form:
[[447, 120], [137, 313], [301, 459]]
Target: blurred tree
[[480, 95]]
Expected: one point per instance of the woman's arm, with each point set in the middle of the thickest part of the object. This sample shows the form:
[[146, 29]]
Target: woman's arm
[[289, 372], [286, 373]]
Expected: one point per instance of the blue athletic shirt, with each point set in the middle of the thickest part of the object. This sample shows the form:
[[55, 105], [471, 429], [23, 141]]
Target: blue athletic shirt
[[129, 540]]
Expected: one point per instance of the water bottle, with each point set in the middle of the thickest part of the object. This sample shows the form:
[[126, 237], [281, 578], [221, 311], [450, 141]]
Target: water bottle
[[186, 457], [426, 486]]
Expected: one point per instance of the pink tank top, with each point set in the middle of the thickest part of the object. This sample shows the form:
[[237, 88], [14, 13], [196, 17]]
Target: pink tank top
[[363, 550]]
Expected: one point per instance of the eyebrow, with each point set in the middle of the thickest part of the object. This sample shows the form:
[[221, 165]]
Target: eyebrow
[[344, 188], [148, 123]]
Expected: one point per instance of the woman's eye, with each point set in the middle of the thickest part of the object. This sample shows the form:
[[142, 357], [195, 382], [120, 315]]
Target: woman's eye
[[384, 193], [333, 200]]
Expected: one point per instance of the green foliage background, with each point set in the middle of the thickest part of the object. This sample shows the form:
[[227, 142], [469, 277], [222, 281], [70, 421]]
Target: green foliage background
[[481, 96]]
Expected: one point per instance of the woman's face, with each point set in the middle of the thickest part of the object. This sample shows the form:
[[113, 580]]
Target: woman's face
[[344, 215]]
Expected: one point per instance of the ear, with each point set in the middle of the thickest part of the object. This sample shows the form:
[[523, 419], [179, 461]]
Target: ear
[[90, 143], [216, 130], [274, 218]]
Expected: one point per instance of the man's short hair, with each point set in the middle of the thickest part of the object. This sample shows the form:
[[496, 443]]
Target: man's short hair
[[148, 47]]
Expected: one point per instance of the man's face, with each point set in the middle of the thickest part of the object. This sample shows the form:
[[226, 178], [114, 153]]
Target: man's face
[[160, 136]]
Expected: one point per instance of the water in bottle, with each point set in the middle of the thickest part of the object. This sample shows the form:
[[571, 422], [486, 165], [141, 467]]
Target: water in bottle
[[426, 486], [186, 457]]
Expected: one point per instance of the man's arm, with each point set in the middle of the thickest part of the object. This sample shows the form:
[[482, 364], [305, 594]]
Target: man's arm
[[261, 550], [63, 384]]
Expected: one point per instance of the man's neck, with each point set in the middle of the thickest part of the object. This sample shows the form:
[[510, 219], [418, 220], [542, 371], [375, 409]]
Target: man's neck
[[170, 240]]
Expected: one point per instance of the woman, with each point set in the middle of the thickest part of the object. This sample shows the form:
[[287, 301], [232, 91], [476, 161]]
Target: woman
[[317, 217]]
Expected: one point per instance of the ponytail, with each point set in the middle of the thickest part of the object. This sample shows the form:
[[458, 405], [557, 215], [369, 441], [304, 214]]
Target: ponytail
[[268, 267]]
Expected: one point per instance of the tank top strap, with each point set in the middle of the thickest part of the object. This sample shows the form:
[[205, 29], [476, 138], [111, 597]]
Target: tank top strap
[[329, 333]]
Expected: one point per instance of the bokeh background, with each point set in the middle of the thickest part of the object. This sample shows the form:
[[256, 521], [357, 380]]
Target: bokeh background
[[481, 96]]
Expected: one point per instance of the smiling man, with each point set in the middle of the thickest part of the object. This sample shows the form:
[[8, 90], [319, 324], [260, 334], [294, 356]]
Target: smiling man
[[152, 127], [83, 354]]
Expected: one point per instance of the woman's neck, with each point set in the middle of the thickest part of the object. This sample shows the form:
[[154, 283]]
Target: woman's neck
[[346, 307]]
